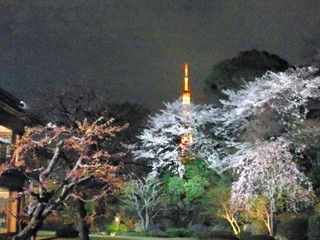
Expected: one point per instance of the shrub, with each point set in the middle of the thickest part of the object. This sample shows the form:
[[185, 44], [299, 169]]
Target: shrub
[[217, 235], [259, 237], [123, 228], [295, 228], [67, 231], [130, 234], [179, 232], [116, 227], [314, 227], [245, 235], [52, 224], [100, 223], [154, 234]]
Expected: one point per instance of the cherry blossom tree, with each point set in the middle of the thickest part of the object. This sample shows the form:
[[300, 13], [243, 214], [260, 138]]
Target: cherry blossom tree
[[274, 106], [265, 162], [267, 169], [80, 101], [285, 95], [59, 163], [160, 140], [255, 130]]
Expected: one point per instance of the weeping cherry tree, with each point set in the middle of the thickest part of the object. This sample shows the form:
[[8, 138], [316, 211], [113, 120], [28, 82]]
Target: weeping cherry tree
[[265, 163]]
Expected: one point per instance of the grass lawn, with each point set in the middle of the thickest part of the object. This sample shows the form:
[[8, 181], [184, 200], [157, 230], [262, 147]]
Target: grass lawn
[[44, 235], [116, 238]]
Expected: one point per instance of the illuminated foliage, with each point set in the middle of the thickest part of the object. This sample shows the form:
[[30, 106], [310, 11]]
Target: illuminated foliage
[[264, 163], [284, 95], [160, 140], [268, 170], [219, 204], [60, 162], [183, 202]]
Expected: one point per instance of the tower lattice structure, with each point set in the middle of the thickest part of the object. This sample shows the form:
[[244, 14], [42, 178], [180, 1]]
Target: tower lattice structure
[[186, 139]]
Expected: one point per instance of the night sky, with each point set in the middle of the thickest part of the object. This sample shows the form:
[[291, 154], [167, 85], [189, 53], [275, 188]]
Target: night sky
[[135, 49]]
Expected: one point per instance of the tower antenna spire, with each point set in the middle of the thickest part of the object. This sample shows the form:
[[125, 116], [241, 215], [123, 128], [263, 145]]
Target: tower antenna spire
[[186, 92]]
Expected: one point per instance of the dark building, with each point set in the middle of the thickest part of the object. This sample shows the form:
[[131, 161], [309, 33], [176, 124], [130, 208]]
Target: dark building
[[13, 119]]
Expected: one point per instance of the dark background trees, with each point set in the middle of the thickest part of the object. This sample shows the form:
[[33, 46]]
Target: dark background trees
[[246, 66]]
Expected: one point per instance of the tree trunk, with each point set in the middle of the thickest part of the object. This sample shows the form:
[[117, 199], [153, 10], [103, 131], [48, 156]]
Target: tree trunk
[[146, 220], [26, 233], [83, 225], [272, 210], [33, 226]]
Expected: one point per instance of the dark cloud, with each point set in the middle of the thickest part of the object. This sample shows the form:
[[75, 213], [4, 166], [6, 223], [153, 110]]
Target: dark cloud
[[135, 49]]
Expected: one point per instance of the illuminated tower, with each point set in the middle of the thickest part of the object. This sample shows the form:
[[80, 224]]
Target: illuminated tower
[[186, 139], [186, 93]]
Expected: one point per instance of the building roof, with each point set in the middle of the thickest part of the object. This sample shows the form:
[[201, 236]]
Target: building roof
[[12, 179], [15, 117], [12, 112]]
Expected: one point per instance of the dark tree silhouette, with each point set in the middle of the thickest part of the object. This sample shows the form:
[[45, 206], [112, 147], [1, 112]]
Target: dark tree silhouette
[[246, 66]]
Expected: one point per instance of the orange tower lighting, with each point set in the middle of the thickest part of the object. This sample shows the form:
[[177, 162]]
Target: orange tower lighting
[[186, 139], [186, 93]]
